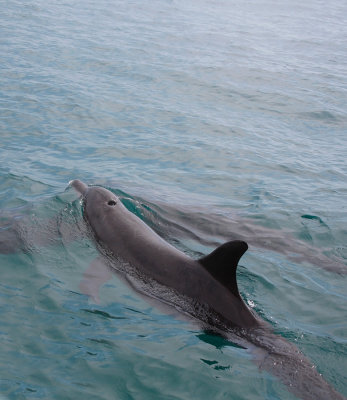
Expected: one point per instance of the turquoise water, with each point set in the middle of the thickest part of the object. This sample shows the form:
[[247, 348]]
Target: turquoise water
[[212, 120]]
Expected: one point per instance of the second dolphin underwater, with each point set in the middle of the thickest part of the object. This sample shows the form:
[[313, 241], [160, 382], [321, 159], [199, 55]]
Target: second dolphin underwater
[[207, 287]]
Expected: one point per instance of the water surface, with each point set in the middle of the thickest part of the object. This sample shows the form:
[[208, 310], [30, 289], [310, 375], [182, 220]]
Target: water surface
[[212, 120]]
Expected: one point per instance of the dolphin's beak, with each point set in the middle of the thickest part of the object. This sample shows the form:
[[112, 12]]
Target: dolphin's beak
[[79, 186]]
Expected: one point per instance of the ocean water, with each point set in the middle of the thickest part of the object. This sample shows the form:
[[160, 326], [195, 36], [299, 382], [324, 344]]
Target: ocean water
[[212, 120]]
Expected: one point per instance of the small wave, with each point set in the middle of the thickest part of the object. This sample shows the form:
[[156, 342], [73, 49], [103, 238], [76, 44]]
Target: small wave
[[322, 116], [101, 313]]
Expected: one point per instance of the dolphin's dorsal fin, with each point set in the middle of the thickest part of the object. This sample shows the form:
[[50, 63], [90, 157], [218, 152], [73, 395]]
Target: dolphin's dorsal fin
[[222, 264]]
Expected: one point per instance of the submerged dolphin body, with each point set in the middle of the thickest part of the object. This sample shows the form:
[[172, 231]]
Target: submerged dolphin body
[[207, 287]]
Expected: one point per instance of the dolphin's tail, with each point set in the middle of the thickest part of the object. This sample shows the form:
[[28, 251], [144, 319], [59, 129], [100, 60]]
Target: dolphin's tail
[[79, 186], [285, 361]]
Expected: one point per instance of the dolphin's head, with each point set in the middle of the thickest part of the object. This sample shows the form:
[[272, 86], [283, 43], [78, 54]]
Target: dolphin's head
[[96, 199]]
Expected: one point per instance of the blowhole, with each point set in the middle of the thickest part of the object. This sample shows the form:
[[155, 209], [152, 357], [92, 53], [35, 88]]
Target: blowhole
[[112, 203]]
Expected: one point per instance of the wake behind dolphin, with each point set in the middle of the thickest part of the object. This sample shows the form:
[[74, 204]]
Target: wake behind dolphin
[[208, 285]]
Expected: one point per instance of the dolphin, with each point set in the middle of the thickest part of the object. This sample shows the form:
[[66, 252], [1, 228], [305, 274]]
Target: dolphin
[[205, 289]]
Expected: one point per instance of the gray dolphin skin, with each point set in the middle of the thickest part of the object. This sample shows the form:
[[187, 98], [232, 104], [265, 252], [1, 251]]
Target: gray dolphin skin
[[207, 289]]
